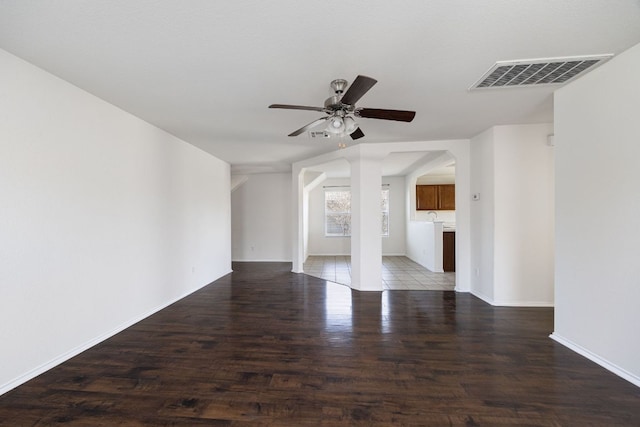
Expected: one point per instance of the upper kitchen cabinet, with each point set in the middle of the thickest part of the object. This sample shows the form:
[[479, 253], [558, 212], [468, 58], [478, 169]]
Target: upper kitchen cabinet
[[436, 197], [426, 197], [447, 197]]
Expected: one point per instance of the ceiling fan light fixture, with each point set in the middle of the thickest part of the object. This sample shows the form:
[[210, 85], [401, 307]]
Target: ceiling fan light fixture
[[336, 125], [350, 125]]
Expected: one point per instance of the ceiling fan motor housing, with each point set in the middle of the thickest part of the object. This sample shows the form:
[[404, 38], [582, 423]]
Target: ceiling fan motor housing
[[334, 105], [332, 102], [339, 85]]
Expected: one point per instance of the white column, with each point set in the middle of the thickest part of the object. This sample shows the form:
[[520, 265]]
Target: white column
[[366, 222], [297, 183]]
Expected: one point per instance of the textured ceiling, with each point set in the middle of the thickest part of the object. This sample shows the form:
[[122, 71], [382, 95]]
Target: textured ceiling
[[206, 71]]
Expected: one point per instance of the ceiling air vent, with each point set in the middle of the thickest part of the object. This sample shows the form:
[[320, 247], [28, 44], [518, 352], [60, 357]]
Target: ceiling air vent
[[534, 72]]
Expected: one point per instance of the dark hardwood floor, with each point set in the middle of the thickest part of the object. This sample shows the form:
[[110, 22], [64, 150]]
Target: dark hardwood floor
[[266, 347]]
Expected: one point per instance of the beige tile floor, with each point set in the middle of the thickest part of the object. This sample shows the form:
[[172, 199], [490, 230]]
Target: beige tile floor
[[398, 272]]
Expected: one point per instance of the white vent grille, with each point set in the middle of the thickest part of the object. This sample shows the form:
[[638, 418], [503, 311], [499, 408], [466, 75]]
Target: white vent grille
[[536, 72]]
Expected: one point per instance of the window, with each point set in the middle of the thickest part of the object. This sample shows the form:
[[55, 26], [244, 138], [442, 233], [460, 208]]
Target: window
[[337, 210], [337, 213], [385, 211]]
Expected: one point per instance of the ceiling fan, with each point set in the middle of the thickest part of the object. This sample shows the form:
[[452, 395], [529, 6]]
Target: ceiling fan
[[341, 109]]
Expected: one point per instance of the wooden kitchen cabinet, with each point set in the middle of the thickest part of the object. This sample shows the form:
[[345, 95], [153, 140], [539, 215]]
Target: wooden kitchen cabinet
[[436, 197], [447, 197], [427, 197]]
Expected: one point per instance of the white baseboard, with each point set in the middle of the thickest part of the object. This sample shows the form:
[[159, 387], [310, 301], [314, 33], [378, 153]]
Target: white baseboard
[[349, 254], [633, 379], [512, 303], [523, 304], [87, 345], [482, 297], [261, 260]]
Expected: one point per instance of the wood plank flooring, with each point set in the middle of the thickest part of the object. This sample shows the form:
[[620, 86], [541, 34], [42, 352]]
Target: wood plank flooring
[[266, 347]]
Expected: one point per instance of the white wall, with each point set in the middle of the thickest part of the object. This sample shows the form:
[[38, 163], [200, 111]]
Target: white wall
[[482, 215], [428, 179], [429, 253], [394, 244], [418, 244], [597, 135], [513, 229], [448, 217], [524, 215], [261, 218], [104, 219]]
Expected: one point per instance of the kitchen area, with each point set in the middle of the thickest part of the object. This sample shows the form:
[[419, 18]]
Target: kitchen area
[[435, 212]]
